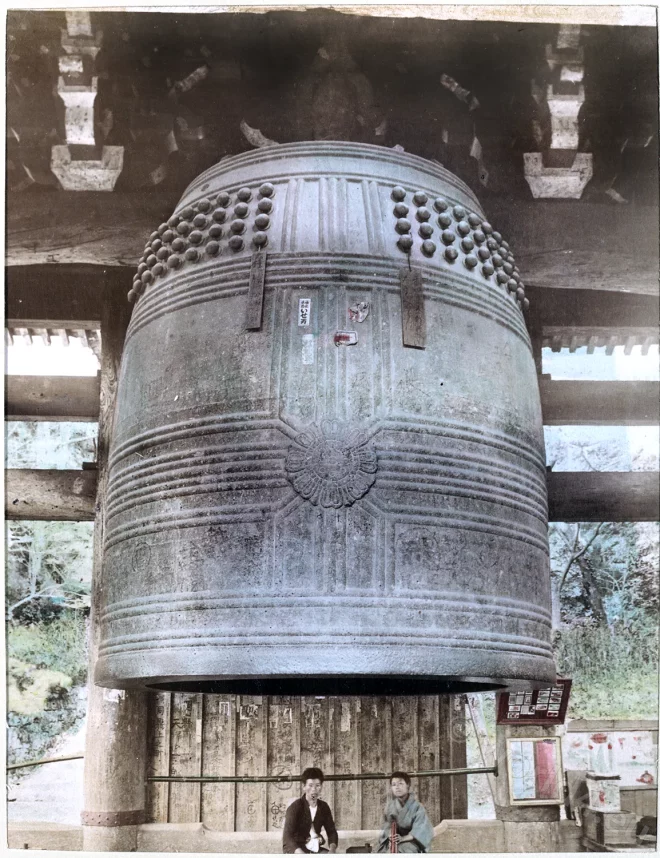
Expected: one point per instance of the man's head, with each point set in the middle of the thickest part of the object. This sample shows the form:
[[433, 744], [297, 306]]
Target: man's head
[[400, 784], [312, 783]]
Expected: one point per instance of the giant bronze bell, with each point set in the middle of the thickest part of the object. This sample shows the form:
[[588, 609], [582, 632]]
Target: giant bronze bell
[[327, 472]]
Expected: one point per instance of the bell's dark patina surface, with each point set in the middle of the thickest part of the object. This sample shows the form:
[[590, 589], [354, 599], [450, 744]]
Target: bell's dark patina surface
[[327, 469]]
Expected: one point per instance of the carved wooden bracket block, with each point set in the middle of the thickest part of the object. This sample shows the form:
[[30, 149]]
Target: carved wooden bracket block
[[85, 175], [79, 111], [79, 23], [568, 171], [70, 64], [79, 96], [89, 45], [558, 182], [563, 57], [564, 111], [79, 37]]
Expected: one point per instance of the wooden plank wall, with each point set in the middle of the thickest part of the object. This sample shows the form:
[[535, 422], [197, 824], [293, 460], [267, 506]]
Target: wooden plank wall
[[216, 734]]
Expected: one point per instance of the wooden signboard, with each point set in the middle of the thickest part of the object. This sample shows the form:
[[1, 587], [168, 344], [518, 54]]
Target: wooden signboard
[[545, 706]]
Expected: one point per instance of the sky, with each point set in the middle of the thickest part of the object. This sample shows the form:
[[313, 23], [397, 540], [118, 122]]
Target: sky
[[56, 359], [643, 441]]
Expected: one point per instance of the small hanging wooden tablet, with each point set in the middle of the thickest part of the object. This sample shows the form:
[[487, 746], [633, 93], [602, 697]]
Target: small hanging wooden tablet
[[413, 317], [255, 298]]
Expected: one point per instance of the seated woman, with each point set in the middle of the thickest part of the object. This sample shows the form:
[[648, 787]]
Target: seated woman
[[307, 816], [413, 829]]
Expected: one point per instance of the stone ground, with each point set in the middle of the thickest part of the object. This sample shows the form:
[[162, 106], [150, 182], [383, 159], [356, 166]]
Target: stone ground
[[51, 793]]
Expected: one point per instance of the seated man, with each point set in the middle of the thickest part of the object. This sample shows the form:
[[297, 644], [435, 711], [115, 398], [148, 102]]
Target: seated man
[[307, 816], [406, 822]]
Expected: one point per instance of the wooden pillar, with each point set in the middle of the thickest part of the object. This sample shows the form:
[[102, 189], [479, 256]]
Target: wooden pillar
[[503, 807], [535, 327], [531, 828], [115, 750], [453, 755]]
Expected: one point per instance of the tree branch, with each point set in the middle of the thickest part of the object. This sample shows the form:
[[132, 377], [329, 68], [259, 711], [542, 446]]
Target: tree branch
[[586, 459], [576, 555], [571, 559], [43, 594]]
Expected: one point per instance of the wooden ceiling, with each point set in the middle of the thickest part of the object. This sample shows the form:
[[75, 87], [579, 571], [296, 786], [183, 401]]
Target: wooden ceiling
[[258, 68]]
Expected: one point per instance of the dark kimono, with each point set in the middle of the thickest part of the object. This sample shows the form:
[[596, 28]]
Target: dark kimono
[[298, 822], [410, 818]]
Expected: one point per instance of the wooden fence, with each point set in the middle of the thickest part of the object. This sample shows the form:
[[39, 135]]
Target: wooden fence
[[215, 734]]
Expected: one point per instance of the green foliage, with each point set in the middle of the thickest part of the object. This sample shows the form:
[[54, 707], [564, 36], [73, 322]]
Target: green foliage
[[32, 736], [606, 577], [614, 669], [60, 645], [49, 565], [596, 650], [48, 579], [607, 572], [629, 695], [31, 689], [47, 666], [605, 589]]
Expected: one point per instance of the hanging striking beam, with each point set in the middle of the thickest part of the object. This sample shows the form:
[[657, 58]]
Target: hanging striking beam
[[49, 495], [277, 779], [58, 398], [603, 496], [600, 403]]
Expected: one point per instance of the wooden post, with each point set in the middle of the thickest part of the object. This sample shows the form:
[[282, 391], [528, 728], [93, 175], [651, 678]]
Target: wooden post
[[115, 750], [453, 790], [535, 325], [504, 809], [527, 828]]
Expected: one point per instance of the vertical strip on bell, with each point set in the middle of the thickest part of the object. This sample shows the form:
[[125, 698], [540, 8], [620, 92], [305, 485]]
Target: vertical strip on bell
[[413, 316], [255, 299]]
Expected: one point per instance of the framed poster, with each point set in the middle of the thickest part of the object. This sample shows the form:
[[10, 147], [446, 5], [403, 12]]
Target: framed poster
[[535, 771], [545, 706]]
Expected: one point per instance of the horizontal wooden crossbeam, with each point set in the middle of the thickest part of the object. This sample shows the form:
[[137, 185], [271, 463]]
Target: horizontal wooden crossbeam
[[583, 313], [58, 398], [69, 297], [567, 244], [638, 16], [600, 403], [603, 496], [580, 244], [564, 403], [49, 495], [64, 297], [573, 496]]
